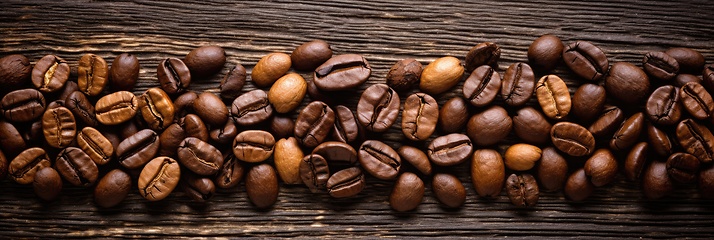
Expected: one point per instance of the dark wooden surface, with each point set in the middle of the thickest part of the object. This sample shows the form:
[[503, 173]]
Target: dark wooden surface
[[384, 32]]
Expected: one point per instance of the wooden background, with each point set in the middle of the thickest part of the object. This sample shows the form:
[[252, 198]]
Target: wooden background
[[384, 32]]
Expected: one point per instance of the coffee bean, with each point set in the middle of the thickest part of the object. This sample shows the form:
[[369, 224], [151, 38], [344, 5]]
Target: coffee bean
[[199, 156], [76, 167], [488, 172], [314, 124], [113, 138], [287, 157], [159, 178], [346, 128], [407, 193], [588, 101], [656, 183], [627, 83], [211, 109], [628, 133], [441, 75], [50, 73], [601, 167], [518, 84], [683, 167], [69, 88], [59, 127], [531, 126], [199, 189], [287, 92], [11, 141], [318, 95], [24, 166], [93, 74], [545, 52], [696, 100], [270, 68], [696, 140], [578, 187], [482, 86], [586, 60], [552, 170], [253, 146], [194, 127], [183, 104], [82, 108], [378, 108], [174, 76], [157, 109], [663, 105], [419, 117], [489, 127], [346, 183], [453, 115], [659, 140], [404, 75], [309, 55], [416, 158], [314, 172], [553, 96], [337, 152], [660, 65], [522, 157], [15, 70], [124, 72], [636, 161], [281, 126], [171, 138], [232, 84], [522, 190], [448, 190], [379, 159], [47, 184], [33, 135], [251, 108], [112, 189], [708, 77], [609, 121], [116, 108], [450, 150], [55, 104], [23, 105], [690, 60], [706, 183], [205, 61], [230, 173], [572, 139], [137, 150], [342, 72], [97, 147], [486, 53]]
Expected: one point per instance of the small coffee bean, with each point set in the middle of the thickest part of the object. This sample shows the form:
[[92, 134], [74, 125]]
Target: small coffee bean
[[553, 97], [588, 101], [404, 75], [545, 52], [287, 92], [270, 68], [518, 84], [124, 72], [656, 183], [112, 189], [489, 127], [448, 190], [441, 75], [486, 53], [159, 178], [59, 127], [586, 60], [378, 108], [251, 108], [24, 166], [659, 140], [174, 76], [281, 126], [137, 150], [419, 117], [552, 170], [287, 156], [253, 146], [47, 184], [211, 109], [627, 83], [205, 61], [76, 167], [488, 172], [572, 139], [482, 86], [659, 65], [379, 159], [683, 167], [230, 173], [416, 158], [11, 141], [628, 133], [706, 183], [15, 70], [157, 109], [522, 157], [609, 121], [199, 156], [636, 161], [453, 115], [23, 105], [337, 152], [696, 140], [309, 55], [199, 189], [522, 190], [684, 78], [601, 167], [450, 150], [314, 172], [93, 74], [261, 185], [407, 193], [50, 73], [232, 84], [663, 106], [346, 128], [314, 123], [578, 187], [531, 126], [82, 108], [346, 183], [690, 60], [697, 101], [116, 108], [342, 72]]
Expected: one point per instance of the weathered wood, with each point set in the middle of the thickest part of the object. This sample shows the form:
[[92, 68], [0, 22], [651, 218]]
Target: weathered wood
[[384, 32]]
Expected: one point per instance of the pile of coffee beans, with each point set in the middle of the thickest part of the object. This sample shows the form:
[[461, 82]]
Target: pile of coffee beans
[[651, 122]]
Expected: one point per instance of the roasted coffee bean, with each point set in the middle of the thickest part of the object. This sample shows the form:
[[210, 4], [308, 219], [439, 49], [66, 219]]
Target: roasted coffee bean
[[450, 149], [636, 161], [407, 193], [488, 172], [531, 126], [656, 183], [211, 109], [337, 152], [486, 53], [696, 140], [518, 84], [706, 183], [696, 100], [50, 73], [601, 167], [232, 84], [183, 104], [453, 115], [489, 127], [205, 61], [33, 135], [15, 70], [159, 178], [660, 65], [482, 86], [93, 74], [124, 72], [55, 104], [659, 141], [522, 190], [199, 156], [379, 159], [708, 77], [318, 95], [76, 167], [420, 115], [309, 55], [553, 97], [448, 190], [82, 108], [628, 133], [157, 109], [572, 139], [11, 141], [690, 60], [116, 108], [23, 105], [129, 128], [545, 52], [522, 157], [224, 135], [188, 126], [588, 101], [194, 127], [586, 60], [610, 119], [314, 123], [69, 88], [342, 72], [663, 105], [314, 172], [269, 68], [97, 147], [251, 108], [346, 129], [287, 92], [261, 185], [441, 75], [47, 184], [23, 168], [552, 170], [253, 146], [683, 167], [416, 158], [378, 108], [627, 83], [684, 78], [287, 157], [346, 183], [138, 149], [404, 75], [281, 126], [59, 127], [230, 173], [199, 189], [578, 187], [174, 76], [113, 138]]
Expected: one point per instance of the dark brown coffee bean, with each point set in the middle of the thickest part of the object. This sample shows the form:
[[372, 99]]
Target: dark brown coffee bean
[[211, 109], [706, 183], [690, 60], [269, 68], [419, 117], [450, 149], [696, 100], [116, 108], [314, 172], [205, 61], [553, 97], [588, 101], [157, 109], [59, 127], [76, 167], [696, 140], [636, 161], [50, 73], [159, 178], [82, 108], [628, 133], [346, 183], [379, 159], [309, 55], [441, 75], [683, 167], [23, 105], [545, 52], [663, 105], [97, 147], [224, 135], [253, 146], [282, 126], [183, 104], [346, 128], [251, 108], [138, 149], [33, 135], [314, 123], [531, 126], [610, 119], [337, 152], [482, 86], [572, 139], [552, 170], [112, 189], [656, 183], [486, 53], [378, 108], [15, 70], [230, 173], [660, 65], [69, 88], [489, 127], [578, 187], [416, 158], [522, 190], [199, 189], [407, 193], [124, 72], [518, 84], [627, 83], [708, 77], [93, 74], [232, 84], [342, 72], [23, 168], [448, 190], [453, 115], [659, 141], [404, 75], [188, 126], [11, 141], [488, 172], [199, 156], [601, 167], [319, 95], [174, 76], [47, 184], [586, 60]]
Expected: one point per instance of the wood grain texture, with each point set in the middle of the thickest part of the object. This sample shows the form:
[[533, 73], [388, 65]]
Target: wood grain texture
[[384, 32]]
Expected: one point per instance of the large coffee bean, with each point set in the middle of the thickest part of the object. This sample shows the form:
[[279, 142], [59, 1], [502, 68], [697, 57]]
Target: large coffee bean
[[253, 146], [82, 108], [270, 68], [531, 126], [552, 170], [342, 72], [635, 161], [656, 183], [314, 172], [572, 139], [287, 92], [138, 149], [124, 72], [174, 76], [416, 158], [545, 52], [697, 101], [199, 156], [601, 167], [211, 109], [157, 109], [553, 97], [23, 105], [50, 73], [261, 186], [346, 183], [482, 86], [24, 166], [486, 53], [379, 159], [659, 141], [488, 172], [588, 101], [689, 60], [205, 61], [378, 108], [448, 190], [627, 83], [522, 190], [159, 178], [518, 84], [59, 127], [441, 75], [15, 71], [112, 189], [251, 108], [453, 115], [337, 152], [116, 108], [230, 173], [93, 74], [76, 167], [628, 133], [419, 117], [404, 75], [586, 60], [578, 187], [696, 139], [522, 157], [489, 127], [449, 150], [407, 193], [663, 106], [287, 157], [660, 65], [309, 55], [610, 119], [314, 123], [346, 127], [232, 84], [47, 184]]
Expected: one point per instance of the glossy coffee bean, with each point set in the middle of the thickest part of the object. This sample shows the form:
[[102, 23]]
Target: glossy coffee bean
[[112, 189], [450, 150], [684, 78], [47, 184], [11, 142], [404, 75], [232, 84], [481, 87], [628, 133], [69, 88], [137, 150], [81, 108], [531, 126], [627, 83], [660, 66], [656, 183], [59, 127], [287, 156], [124, 72], [522, 157], [346, 128], [601, 167], [488, 172], [518, 84], [50, 73], [697, 101], [159, 178], [183, 104], [659, 141], [211, 109], [309, 55], [663, 106], [199, 189], [156, 108], [314, 123], [76, 167], [231, 172], [690, 60], [609, 121], [93, 74], [15, 71], [379, 159], [116, 108], [318, 95], [636, 161], [346, 183], [282, 126], [448, 190], [23, 105], [269, 68], [337, 152], [696, 139], [553, 97], [174, 76], [24, 166], [586, 60], [552, 170], [588, 101], [251, 108], [199, 156], [314, 172], [453, 115], [522, 190], [416, 158], [407, 193], [287, 92], [253, 146], [342, 72], [683, 167], [205, 61], [578, 187], [545, 52], [378, 108], [486, 53], [419, 117], [441, 75], [572, 139], [489, 127]]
